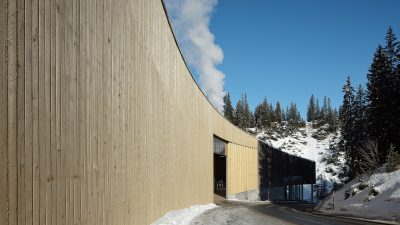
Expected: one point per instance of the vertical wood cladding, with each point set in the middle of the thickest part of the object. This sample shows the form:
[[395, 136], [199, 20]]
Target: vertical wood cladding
[[101, 121], [242, 168]]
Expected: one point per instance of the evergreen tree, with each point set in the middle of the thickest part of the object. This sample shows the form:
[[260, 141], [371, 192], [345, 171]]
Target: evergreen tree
[[239, 114], [246, 113], [278, 112], [311, 109], [228, 109], [347, 119], [336, 118], [396, 109], [329, 114], [380, 96], [292, 115], [317, 110], [323, 112], [359, 127], [287, 114], [271, 113], [257, 116], [393, 160], [265, 116], [252, 120], [392, 48], [294, 119]]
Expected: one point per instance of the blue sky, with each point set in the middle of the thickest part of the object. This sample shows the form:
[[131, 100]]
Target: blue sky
[[288, 50]]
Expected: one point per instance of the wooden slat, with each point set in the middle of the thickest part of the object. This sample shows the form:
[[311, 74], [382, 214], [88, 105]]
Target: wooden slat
[[106, 68], [28, 113], [50, 169], [12, 72], [22, 168], [48, 81], [4, 206], [60, 116], [76, 162], [67, 113]]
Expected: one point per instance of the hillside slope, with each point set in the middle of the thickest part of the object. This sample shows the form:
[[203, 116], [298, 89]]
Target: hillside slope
[[377, 197]]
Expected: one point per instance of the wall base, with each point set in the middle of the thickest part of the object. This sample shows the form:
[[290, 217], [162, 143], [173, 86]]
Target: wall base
[[252, 195]]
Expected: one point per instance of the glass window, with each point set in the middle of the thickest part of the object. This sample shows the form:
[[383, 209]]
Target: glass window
[[219, 146]]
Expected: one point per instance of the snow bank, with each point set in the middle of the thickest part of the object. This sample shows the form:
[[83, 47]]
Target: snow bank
[[375, 197], [183, 216]]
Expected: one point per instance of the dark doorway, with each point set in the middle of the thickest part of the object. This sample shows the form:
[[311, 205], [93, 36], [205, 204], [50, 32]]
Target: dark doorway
[[219, 167], [220, 175]]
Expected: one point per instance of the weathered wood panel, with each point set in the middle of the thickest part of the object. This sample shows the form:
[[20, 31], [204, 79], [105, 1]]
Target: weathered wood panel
[[101, 121]]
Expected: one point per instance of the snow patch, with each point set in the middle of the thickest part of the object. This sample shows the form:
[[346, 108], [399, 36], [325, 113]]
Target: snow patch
[[183, 216]]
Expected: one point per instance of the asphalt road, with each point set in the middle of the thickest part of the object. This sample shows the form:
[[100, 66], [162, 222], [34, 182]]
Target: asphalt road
[[238, 213]]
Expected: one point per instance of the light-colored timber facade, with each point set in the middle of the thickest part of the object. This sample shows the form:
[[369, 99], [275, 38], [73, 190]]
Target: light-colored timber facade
[[101, 121]]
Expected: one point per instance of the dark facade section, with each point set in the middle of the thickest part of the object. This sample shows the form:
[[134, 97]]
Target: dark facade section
[[283, 175]]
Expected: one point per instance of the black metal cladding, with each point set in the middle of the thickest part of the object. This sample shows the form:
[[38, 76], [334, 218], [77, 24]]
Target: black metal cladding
[[278, 168]]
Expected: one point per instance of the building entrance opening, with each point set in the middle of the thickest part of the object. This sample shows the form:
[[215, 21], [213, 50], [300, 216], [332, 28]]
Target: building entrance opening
[[219, 167]]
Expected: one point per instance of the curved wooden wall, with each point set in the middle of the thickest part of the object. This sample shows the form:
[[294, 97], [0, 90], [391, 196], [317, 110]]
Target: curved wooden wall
[[101, 121]]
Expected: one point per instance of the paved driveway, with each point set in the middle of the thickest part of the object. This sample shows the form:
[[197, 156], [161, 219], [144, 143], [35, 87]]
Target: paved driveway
[[239, 213]]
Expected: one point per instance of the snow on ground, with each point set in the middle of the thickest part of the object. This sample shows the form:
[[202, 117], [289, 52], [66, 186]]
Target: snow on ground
[[361, 200], [309, 143], [183, 216]]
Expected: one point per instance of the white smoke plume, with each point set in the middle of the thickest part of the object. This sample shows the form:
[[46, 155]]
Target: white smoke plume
[[190, 20]]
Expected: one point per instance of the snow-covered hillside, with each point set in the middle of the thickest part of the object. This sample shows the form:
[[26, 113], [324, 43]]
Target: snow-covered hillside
[[316, 144], [377, 196]]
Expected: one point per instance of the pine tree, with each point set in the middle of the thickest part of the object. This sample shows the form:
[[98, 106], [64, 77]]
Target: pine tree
[[324, 112], [228, 109], [287, 114], [239, 114], [317, 110], [396, 109], [336, 118], [393, 160], [311, 109], [247, 121], [265, 117], [257, 116], [252, 120], [392, 48], [271, 113], [359, 128], [380, 95], [294, 119], [329, 113], [347, 119], [278, 112]]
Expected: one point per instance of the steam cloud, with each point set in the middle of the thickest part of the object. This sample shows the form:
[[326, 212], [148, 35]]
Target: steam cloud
[[191, 20]]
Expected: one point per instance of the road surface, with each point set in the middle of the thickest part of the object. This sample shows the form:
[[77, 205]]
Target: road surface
[[239, 213]]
